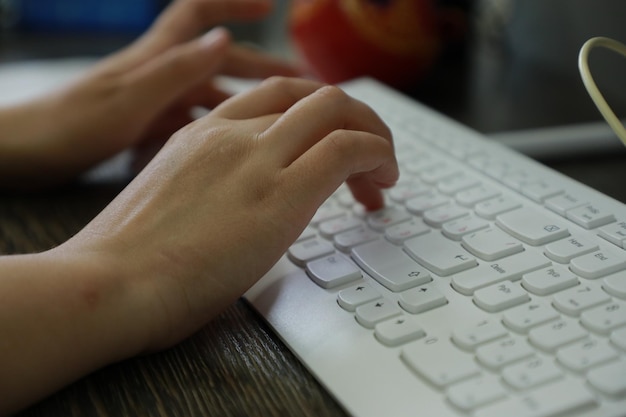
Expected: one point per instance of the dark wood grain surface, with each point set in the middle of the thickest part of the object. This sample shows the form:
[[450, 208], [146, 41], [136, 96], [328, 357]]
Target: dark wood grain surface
[[234, 366]]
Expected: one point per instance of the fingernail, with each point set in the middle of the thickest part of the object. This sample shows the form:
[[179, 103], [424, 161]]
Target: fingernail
[[215, 36]]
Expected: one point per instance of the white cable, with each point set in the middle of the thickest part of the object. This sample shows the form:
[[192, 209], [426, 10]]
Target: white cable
[[592, 88]]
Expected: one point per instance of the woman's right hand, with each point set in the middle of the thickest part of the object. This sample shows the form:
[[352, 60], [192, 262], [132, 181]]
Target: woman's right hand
[[228, 194]]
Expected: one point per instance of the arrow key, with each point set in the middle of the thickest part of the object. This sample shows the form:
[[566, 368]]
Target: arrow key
[[398, 330], [368, 315], [421, 298], [350, 298]]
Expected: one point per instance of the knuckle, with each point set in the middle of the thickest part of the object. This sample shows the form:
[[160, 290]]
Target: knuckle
[[276, 82], [333, 93], [341, 143]]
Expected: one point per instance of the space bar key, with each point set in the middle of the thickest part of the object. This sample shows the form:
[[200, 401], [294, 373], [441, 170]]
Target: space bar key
[[389, 265]]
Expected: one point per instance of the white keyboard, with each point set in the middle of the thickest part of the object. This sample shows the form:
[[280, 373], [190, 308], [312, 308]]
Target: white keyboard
[[490, 285]]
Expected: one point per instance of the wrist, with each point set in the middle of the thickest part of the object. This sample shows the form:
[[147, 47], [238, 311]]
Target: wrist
[[114, 308], [64, 314]]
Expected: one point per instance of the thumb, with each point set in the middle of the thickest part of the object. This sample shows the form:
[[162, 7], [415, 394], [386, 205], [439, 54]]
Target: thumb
[[159, 82]]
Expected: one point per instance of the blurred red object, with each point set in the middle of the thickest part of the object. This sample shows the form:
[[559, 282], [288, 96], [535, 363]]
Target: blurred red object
[[394, 41]]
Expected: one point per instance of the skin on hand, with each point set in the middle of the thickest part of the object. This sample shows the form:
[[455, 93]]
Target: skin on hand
[[228, 194], [134, 98], [207, 217]]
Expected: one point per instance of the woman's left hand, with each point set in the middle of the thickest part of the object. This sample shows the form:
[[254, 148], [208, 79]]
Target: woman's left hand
[[135, 98]]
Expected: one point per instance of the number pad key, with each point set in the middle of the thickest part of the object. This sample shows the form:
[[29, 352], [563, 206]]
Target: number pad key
[[530, 373], [485, 331], [523, 318], [503, 352], [605, 318], [552, 336], [586, 354], [439, 363]]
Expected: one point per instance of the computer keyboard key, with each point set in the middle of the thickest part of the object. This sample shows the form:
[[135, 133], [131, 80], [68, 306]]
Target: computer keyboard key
[[421, 298], [421, 164], [549, 337], [389, 265], [473, 196], [330, 228], [369, 314], [565, 250], [522, 318], [436, 217], [615, 285], [500, 296], [562, 203], [604, 318], [438, 362], [609, 379], [494, 168], [457, 183], [561, 398], [439, 254], [614, 233], [327, 211], [586, 354], [517, 179], [491, 244], [456, 229], [490, 209], [469, 338], [404, 191], [532, 226], [540, 190], [618, 338], [503, 352], [350, 298], [598, 264], [398, 233], [422, 203], [549, 280], [345, 241], [386, 217], [590, 216], [307, 233], [475, 392], [307, 250], [399, 330], [511, 268], [332, 271], [531, 373], [439, 172]]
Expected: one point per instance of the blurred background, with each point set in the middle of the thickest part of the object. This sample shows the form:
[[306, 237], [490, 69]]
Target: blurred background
[[503, 67]]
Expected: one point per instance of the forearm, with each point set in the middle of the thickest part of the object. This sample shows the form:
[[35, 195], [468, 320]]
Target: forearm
[[27, 143], [62, 315]]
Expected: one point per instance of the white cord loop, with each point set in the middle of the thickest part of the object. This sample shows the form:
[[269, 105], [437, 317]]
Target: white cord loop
[[592, 88]]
